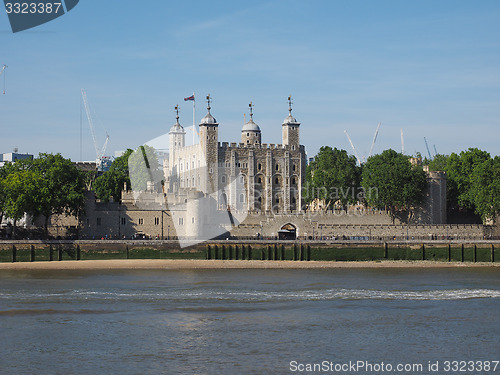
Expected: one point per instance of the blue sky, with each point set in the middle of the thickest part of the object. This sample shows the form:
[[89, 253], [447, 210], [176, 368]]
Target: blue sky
[[431, 68]]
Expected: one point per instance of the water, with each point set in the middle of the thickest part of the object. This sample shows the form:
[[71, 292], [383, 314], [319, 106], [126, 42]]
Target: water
[[244, 321]]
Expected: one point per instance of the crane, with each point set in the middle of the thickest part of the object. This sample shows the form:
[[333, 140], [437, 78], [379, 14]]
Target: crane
[[374, 139], [99, 152], [427, 146], [2, 71], [353, 148]]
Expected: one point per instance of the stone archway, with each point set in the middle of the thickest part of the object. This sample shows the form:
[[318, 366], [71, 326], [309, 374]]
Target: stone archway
[[288, 232]]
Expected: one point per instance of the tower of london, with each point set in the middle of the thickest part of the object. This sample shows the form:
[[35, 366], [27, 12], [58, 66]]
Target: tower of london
[[248, 175]]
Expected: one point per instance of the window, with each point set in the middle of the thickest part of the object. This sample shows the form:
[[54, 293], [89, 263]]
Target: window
[[223, 179], [192, 220], [293, 181], [259, 180], [181, 221], [98, 221], [157, 220], [193, 182], [123, 221], [242, 198], [141, 221], [293, 167], [242, 179], [248, 134], [277, 181], [277, 167], [259, 167], [277, 200]]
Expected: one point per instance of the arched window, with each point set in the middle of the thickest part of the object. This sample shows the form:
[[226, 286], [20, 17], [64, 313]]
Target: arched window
[[223, 179], [259, 180], [277, 181]]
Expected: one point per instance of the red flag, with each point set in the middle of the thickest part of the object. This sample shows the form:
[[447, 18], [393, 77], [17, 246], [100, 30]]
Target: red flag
[[189, 98]]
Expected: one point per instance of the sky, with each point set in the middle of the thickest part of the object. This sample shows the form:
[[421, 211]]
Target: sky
[[430, 68]]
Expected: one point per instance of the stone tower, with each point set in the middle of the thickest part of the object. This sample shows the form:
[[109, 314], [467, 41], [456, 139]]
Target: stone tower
[[250, 134], [209, 143], [177, 137], [290, 129]]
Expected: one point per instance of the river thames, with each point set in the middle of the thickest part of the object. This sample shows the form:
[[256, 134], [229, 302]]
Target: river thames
[[247, 321]]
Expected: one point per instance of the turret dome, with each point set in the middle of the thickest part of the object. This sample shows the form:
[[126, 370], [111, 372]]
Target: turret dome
[[208, 120], [251, 126]]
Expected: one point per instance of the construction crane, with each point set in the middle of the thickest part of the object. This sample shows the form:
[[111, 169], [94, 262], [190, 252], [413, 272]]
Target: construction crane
[[100, 159], [435, 151], [353, 148], [374, 139], [1, 72], [427, 146]]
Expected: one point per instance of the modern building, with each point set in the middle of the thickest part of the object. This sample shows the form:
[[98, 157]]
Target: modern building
[[11, 157]]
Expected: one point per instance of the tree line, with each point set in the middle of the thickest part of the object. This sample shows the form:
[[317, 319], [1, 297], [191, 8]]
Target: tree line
[[386, 181], [391, 181], [473, 182], [43, 186], [52, 185]]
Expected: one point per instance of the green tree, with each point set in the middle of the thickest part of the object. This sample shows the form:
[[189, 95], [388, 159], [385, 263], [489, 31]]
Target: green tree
[[62, 187], [485, 191], [22, 194], [438, 163], [110, 184], [459, 171], [4, 172], [332, 176], [391, 182]]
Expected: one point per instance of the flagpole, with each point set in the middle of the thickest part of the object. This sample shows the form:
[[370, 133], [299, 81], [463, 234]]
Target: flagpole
[[194, 123]]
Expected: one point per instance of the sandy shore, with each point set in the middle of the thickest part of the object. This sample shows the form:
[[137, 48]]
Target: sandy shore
[[229, 264]]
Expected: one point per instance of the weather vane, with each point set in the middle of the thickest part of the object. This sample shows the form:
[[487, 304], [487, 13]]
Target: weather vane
[[208, 102], [177, 111], [251, 110]]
